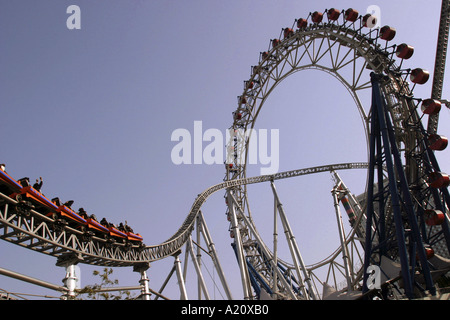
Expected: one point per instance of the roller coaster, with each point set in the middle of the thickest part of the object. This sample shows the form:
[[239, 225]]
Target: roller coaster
[[398, 246]]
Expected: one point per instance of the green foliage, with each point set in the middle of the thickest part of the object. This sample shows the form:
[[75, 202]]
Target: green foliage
[[91, 292]]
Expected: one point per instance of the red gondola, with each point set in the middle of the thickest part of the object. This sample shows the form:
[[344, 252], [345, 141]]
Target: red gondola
[[404, 51], [302, 23], [333, 14], [288, 32], [437, 142], [351, 15], [387, 33], [419, 76], [317, 17], [438, 180], [434, 217], [431, 106], [275, 42], [429, 252]]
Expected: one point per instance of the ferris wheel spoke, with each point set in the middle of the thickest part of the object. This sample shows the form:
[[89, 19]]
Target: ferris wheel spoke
[[330, 47], [305, 46], [292, 59], [343, 62], [357, 77], [363, 86], [316, 52]]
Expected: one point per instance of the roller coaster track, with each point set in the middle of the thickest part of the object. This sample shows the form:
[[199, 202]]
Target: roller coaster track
[[28, 228]]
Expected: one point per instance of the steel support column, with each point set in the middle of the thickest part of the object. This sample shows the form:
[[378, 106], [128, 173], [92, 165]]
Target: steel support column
[[268, 255], [212, 250], [181, 283], [69, 261], [245, 278], [345, 254], [195, 261], [295, 251], [144, 281], [402, 204]]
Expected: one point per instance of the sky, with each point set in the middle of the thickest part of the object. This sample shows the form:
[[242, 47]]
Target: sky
[[92, 111]]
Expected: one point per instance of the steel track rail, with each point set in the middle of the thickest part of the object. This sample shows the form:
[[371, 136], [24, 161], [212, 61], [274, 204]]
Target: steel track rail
[[32, 230]]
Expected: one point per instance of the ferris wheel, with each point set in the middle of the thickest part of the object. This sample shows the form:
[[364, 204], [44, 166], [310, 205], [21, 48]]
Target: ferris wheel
[[393, 216]]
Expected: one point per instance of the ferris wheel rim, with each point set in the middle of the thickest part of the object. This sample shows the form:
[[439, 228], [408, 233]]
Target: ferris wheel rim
[[311, 66]]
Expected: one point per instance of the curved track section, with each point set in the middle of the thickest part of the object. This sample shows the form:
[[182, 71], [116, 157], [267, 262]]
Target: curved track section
[[29, 228]]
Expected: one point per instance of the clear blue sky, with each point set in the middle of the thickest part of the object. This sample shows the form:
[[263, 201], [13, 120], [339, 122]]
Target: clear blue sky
[[92, 112]]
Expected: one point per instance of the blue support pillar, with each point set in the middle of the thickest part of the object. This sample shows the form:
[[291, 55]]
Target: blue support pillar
[[384, 152]]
